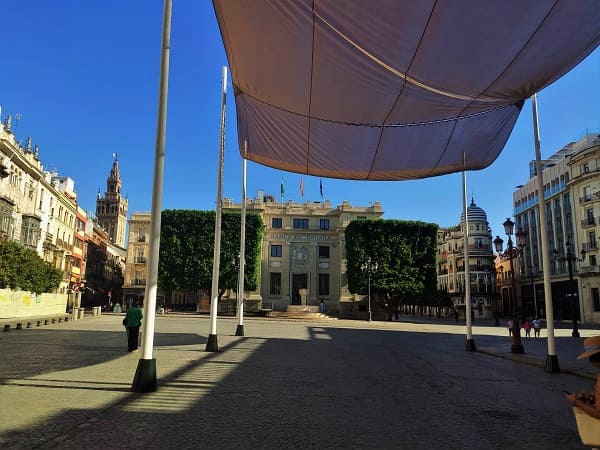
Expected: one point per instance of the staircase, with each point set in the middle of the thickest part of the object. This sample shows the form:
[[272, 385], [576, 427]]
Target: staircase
[[299, 315]]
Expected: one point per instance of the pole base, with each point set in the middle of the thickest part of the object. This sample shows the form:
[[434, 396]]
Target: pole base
[[471, 345], [145, 376], [552, 364], [517, 348], [239, 331], [575, 333], [212, 345]]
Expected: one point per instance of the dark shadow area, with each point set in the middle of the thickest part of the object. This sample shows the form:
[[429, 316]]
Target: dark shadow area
[[51, 350], [341, 388]]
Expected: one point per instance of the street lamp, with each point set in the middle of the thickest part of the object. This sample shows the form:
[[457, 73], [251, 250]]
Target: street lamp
[[369, 267], [510, 254], [569, 258]]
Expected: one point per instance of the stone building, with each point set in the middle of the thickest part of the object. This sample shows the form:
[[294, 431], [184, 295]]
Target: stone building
[[303, 258], [451, 263], [136, 269]]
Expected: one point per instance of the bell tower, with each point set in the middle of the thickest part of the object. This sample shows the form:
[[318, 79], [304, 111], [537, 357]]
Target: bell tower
[[111, 210]]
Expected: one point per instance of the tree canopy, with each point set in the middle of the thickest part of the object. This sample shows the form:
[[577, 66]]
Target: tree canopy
[[404, 254], [21, 268], [186, 250]]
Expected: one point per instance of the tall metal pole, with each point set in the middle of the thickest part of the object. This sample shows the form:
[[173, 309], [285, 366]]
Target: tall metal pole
[[573, 292], [516, 346], [145, 375], [470, 342], [212, 344], [552, 365], [369, 286], [240, 291]]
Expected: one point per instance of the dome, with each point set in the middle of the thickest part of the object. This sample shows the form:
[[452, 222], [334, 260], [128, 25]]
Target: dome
[[474, 213]]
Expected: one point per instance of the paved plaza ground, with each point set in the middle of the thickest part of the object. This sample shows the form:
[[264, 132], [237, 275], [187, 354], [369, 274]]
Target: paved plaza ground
[[408, 384]]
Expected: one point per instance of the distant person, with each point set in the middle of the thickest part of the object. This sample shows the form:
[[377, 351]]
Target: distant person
[[117, 308], [527, 328], [133, 321], [509, 325], [537, 326], [322, 307], [587, 409], [456, 315]]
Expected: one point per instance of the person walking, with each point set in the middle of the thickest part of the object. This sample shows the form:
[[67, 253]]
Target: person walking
[[537, 326], [527, 328], [509, 325], [133, 321]]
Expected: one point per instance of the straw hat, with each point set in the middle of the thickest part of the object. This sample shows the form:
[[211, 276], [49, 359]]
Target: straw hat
[[592, 346]]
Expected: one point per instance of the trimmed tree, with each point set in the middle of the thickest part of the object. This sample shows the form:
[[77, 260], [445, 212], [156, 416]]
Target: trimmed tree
[[186, 250], [404, 252], [21, 268]]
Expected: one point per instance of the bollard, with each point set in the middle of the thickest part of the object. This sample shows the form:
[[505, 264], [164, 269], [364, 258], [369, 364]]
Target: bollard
[[67, 319], [53, 320], [39, 323], [45, 322], [28, 324], [81, 313], [75, 313], [19, 326], [7, 327], [99, 310], [59, 319]]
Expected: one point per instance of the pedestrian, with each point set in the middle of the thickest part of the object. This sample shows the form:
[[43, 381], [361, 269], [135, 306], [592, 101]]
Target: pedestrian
[[133, 321], [527, 328], [322, 307], [509, 325], [456, 315], [537, 326], [586, 409]]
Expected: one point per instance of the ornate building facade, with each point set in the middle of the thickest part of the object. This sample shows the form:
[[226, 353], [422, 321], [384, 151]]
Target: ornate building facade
[[451, 263], [111, 210]]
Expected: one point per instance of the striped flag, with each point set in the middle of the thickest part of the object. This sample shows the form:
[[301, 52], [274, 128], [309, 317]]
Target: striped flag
[[301, 187], [321, 187]]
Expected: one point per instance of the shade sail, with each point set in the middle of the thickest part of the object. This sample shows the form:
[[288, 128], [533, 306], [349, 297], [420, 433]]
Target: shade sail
[[393, 90]]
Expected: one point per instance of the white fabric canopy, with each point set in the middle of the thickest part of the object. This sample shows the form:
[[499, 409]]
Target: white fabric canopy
[[390, 89]]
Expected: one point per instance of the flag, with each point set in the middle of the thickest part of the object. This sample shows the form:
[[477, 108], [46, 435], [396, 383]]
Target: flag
[[321, 187], [301, 187], [282, 189]]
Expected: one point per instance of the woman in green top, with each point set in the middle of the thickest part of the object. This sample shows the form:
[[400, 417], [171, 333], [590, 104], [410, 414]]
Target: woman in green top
[[133, 321]]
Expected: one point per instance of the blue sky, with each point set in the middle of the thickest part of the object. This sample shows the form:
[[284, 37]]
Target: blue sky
[[83, 75]]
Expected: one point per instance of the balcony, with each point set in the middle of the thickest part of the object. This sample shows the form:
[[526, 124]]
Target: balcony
[[589, 270], [587, 246], [138, 282], [142, 238], [585, 199], [139, 260], [589, 222], [49, 237]]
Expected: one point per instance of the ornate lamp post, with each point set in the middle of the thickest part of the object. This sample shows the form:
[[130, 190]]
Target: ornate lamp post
[[510, 254], [569, 258], [369, 267]]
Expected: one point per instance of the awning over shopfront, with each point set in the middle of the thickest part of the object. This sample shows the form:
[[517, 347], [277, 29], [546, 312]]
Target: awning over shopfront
[[393, 90]]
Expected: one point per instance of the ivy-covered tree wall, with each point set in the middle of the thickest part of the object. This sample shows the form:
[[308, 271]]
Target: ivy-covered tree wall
[[404, 253], [186, 250]]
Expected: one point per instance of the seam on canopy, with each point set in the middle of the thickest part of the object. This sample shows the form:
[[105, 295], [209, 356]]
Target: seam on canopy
[[402, 75], [310, 90], [401, 89], [378, 125], [497, 78]]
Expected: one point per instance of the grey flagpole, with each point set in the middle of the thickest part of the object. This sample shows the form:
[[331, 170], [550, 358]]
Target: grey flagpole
[[212, 344], [552, 365], [240, 290], [470, 342], [145, 375]]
